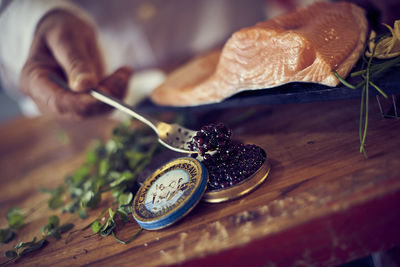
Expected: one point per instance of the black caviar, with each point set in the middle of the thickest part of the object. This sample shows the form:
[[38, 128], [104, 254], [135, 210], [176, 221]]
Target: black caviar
[[232, 162], [210, 138]]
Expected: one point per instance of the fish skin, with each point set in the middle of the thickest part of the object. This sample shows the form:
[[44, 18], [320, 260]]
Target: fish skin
[[303, 46]]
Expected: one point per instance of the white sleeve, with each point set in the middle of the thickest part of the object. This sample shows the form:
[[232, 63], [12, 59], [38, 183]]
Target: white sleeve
[[18, 21]]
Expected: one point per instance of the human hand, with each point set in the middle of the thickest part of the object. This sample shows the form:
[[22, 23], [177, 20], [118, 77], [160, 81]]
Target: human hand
[[65, 46]]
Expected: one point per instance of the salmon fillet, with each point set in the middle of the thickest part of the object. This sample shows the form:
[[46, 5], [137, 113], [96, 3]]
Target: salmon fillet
[[304, 46]]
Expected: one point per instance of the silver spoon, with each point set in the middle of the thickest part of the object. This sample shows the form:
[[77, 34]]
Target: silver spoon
[[172, 136]]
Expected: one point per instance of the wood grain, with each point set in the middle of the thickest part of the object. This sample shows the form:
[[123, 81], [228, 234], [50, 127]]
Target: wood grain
[[323, 203]]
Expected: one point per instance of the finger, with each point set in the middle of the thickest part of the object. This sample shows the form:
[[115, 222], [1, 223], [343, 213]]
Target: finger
[[95, 56], [71, 51], [50, 97], [117, 83]]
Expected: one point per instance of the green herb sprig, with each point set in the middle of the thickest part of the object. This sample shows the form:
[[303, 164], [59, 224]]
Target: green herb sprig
[[368, 73], [109, 227], [16, 221], [51, 229], [110, 167]]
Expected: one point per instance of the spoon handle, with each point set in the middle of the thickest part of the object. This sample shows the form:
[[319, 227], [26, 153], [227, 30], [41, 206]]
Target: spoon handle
[[116, 103]]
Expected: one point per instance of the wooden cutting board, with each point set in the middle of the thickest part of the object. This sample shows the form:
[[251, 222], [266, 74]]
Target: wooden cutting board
[[322, 204]]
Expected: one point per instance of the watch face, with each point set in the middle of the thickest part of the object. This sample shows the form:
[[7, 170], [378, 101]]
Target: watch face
[[167, 190], [170, 193]]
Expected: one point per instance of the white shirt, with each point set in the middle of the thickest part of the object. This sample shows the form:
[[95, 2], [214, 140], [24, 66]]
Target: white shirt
[[141, 34]]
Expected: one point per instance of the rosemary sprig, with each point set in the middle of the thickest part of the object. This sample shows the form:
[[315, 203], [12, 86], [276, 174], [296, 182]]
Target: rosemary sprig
[[360, 131], [366, 111], [378, 89], [376, 69], [368, 74], [343, 81]]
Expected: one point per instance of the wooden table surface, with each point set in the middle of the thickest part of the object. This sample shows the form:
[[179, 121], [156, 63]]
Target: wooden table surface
[[322, 204]]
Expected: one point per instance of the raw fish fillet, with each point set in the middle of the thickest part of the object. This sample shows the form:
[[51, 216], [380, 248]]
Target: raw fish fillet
[[304, 46]]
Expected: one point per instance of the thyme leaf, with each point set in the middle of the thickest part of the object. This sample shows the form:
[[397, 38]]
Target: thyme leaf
[[109, 166], [15, 218], [34, 247], [6, 235], [130, 239], [96, 227]]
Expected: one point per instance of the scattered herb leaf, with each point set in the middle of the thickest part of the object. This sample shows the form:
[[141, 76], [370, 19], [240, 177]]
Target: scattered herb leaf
[[125, 199], [54, 221], [91, 199], [111, 166], [55, 202], [15, 218], [35, 246], [91, 157], [11, 254], [6, 235], [25, 244], [96, 226], [65, 228], [51, 226], [56, 235], [130, 239], [82, 213], [110, 224]]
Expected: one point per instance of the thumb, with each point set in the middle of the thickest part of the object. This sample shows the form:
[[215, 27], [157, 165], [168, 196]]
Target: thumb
[[78, 55], [77, 65]]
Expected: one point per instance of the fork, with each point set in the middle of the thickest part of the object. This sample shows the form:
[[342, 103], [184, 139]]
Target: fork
[[172, 136]]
